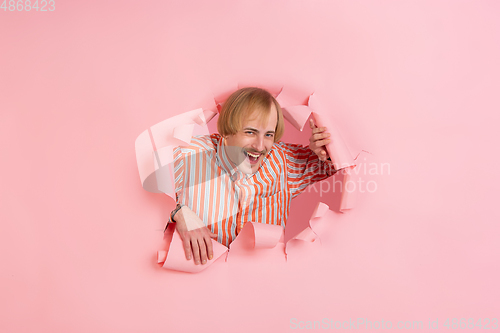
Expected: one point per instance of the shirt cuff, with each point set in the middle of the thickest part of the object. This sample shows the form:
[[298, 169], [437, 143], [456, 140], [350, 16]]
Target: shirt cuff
[[170, 218]]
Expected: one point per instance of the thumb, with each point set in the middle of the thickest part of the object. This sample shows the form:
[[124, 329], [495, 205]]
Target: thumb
[[212, 235]]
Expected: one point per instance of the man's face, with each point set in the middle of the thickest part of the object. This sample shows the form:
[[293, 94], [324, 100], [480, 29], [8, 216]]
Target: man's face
[[248, 148]]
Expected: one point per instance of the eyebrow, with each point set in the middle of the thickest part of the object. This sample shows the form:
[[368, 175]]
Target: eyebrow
[[255, 130]]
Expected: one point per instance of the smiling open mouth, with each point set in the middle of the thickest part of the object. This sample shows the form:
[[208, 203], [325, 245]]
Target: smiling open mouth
[[253, 157]]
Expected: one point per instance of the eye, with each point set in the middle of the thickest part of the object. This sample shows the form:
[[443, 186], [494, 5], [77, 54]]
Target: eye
[[270, 135], [248, 132]]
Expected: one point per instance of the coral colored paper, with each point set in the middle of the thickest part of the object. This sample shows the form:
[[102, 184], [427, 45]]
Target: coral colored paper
[[258, 236], [414, 82], [175, 258], [154, 151], [338, 152], [252, 241], [153, 156]]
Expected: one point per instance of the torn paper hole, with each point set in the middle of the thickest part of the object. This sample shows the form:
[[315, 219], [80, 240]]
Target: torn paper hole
[[154, 152]]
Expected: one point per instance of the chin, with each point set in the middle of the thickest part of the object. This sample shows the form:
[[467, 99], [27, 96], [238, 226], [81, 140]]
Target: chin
[[255, 168], [247, 169]]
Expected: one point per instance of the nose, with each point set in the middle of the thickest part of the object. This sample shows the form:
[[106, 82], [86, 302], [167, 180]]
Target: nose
[[258, 143]]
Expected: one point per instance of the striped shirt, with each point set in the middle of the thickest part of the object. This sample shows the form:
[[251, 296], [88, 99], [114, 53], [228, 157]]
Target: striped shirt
[[225, 199]]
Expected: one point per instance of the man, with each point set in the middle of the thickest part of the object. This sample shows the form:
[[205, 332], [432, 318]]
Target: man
[[243, 174]]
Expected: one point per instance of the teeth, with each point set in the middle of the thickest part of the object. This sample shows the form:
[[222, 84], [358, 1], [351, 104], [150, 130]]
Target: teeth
[[253, 155]]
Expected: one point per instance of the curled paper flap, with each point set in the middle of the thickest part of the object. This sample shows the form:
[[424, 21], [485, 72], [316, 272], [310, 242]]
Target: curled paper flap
[[212, 109], [200, 119], [285, 98], [173, 132], [296, 114], [161, 256], [256, 242], [320, 210], [307, 235], [209, 114], [337, 149], [318, 222], [144, 152], [252, 237], [338, 152], [310, 233], [164, 170], [258, 236], [164, 156], [175, 258], [267, 235], [317, 225], [349, 186], [185, 132], [163, 133]]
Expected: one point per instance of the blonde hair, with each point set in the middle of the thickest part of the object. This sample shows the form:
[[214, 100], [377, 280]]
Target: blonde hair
[[242, 104]]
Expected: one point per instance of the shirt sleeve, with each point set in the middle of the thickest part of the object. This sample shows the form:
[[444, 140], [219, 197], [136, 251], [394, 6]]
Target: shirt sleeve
[[178, 179], [304, 167], [178, 174], [187, 160]]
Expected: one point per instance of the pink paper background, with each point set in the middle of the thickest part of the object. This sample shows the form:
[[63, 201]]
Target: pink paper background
[[414, 83]]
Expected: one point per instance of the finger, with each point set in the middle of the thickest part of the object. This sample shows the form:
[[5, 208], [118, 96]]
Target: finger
[[187, 247], [321, 136], [311, 124], [203, 250], [210, 250], [212, 235], [318, 130], [322, 154], [321, 143], [196, 251]]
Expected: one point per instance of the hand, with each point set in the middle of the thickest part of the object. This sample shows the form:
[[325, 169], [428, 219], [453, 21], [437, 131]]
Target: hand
[[196, 238], [318, 140]]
